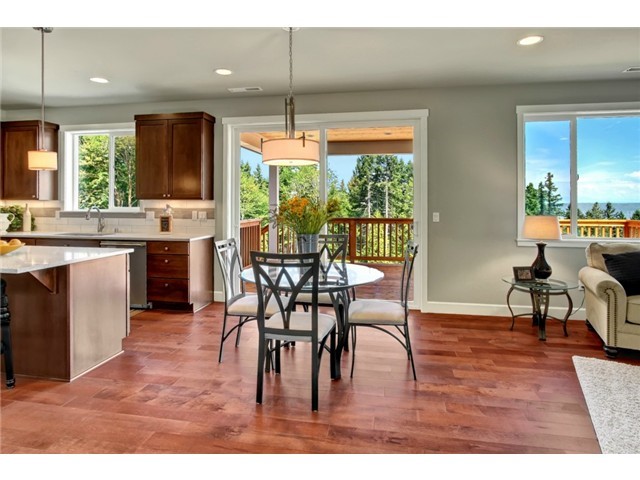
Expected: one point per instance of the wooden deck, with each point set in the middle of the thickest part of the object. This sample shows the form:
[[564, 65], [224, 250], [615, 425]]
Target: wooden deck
[[481, 389]]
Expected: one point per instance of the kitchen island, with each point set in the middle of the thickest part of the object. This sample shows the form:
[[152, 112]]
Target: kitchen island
[[69, 308]]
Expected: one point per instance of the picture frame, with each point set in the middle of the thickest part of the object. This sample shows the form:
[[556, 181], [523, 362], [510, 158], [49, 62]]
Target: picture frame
[[524, 274]]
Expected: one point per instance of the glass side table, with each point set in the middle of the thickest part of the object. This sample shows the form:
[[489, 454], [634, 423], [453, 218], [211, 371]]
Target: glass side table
[[540, 291]]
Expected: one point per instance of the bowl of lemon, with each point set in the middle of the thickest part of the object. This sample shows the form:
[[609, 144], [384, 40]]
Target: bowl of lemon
[[10, 246]]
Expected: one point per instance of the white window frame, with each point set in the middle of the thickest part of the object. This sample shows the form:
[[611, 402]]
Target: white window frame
[[570, 113], [230, 198], [69, 168]]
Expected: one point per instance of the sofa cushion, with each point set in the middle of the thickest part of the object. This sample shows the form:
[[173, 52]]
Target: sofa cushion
[[633, 309], [595, 251], [625, 267]]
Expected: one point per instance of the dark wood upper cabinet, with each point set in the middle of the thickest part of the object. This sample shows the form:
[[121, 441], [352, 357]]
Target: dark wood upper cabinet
[[174, 156], [17, 181]]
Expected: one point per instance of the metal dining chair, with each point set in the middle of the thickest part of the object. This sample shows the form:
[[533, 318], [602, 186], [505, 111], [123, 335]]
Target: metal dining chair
[[390, 317], [333, 254], [282, 277], [237, 302]]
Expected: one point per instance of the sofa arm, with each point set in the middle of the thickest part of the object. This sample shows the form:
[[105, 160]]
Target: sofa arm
[[602, 285], [605, 303]]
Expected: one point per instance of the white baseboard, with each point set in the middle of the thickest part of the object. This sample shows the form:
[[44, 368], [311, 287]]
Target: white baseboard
[[494, 310], [218, 296]]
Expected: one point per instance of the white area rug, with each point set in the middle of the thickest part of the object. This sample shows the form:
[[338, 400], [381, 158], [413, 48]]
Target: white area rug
[[612, 392]]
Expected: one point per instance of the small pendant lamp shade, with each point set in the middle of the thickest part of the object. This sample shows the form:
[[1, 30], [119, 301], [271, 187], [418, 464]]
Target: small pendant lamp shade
[[287, 152], [42, 159]]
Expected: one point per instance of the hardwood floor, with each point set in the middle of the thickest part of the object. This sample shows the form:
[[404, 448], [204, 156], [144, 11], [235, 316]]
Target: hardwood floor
[[481, 389]]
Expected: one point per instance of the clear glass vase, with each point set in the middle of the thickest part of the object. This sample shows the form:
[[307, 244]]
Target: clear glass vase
[[307, 242]]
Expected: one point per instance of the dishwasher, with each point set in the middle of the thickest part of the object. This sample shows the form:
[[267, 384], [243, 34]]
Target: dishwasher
[[137, 270]]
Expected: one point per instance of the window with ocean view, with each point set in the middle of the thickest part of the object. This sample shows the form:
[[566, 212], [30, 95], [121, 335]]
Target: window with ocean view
[[582, 165]]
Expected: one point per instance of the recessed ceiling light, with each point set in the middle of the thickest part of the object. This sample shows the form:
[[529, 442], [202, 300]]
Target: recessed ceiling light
[[223, 71], [99, 80], [530, 40]]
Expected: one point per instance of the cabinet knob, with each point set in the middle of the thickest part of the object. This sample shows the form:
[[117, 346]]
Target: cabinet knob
[[166, 261], [166, 249], [168, 194], [33, 196], [166, 285], [164, 195]]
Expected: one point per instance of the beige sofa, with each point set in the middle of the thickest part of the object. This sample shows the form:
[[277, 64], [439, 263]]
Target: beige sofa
[[614, 316]]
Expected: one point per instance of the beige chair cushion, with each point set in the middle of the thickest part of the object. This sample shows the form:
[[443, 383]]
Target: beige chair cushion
[[633, 309], [595, 250], [300, 321], [323, 298], [247, 306], [380, 312]]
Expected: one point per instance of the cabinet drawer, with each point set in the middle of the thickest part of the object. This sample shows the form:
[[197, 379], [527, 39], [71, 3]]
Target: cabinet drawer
[[168, 290], [168, 266], [168, 248]]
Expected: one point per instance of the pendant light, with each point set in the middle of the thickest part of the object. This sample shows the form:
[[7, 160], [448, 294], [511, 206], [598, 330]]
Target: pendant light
[[290, 151], [42, 159]]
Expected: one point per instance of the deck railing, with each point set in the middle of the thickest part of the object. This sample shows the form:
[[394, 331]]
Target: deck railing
[[370, 239], [590, 228]]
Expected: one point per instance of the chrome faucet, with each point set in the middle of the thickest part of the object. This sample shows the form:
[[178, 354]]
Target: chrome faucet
[[100, 219]]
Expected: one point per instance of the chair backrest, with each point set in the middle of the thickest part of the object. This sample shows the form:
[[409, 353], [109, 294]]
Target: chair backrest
[[230, 268], [333, 251], [282, 275], [410, 252]]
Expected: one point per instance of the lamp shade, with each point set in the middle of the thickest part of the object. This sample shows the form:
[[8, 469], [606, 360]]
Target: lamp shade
[[42, 160], [541, 227], [287, 152]]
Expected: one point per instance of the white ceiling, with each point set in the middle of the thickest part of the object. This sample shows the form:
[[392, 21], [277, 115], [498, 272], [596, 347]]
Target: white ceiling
[[172, 64]]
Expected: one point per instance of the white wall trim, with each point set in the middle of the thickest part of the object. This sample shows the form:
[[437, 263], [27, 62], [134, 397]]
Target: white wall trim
[[495, 310]]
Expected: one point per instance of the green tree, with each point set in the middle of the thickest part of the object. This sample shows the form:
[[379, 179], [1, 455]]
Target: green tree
[[595, 212], [552, 199], [636, 215], [300, 181], [254, 194], [125, 171], [567, 213], [93, 171], [531, 200], [381, 186]]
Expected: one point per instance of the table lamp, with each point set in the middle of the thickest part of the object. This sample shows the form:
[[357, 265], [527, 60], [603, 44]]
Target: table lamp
[[541, 227]]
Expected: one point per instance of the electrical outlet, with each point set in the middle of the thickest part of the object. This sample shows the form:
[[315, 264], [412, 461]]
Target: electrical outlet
[[57, 214], [202, 215], [194, 215], [436, 217], [151, 215]]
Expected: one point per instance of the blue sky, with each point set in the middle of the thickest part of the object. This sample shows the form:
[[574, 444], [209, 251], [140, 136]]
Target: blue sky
[[342, 165], [608, 157]]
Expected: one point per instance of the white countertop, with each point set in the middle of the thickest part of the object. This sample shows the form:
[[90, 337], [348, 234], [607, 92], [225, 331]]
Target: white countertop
[[162, 237], [31, 258]]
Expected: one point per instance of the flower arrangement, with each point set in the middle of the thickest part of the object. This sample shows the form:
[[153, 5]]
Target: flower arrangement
[[304, 215]]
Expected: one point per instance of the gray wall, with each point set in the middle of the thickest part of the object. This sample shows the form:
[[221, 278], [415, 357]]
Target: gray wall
[[472, 172]]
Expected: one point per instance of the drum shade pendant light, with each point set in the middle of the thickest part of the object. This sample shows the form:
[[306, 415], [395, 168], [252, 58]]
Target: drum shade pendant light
[[290, 151], [42, 159]]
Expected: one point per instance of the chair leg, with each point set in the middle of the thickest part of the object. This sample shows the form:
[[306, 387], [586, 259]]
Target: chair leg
[[352, 329], [261, 360], [224, 328], [409, 350], [315, 363], [333, 357], [240, 322], [277, 366]]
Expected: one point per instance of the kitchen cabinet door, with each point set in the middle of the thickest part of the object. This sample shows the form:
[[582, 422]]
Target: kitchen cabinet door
[[175, 156], [18, 182], [152, 166]]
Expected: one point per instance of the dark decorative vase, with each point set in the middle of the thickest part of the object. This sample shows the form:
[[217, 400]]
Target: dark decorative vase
[[307, 242], [541, 269]]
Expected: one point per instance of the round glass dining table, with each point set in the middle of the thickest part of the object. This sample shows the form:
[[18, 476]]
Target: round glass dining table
[[336, 280]]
